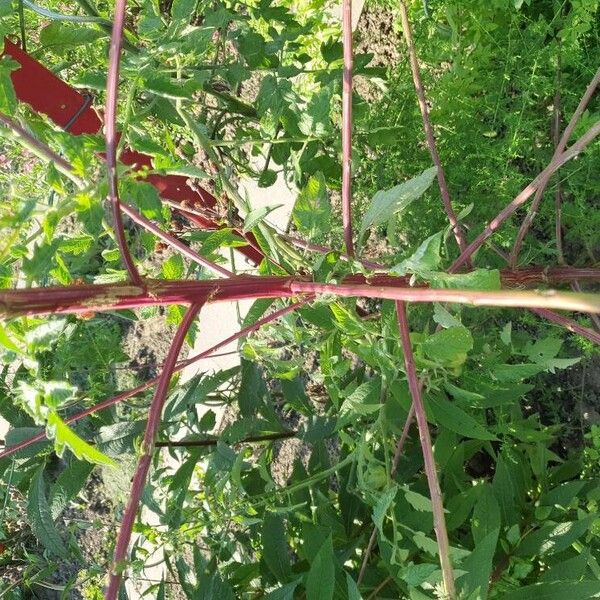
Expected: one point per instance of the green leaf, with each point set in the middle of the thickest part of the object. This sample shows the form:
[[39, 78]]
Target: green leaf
[[145, 197], [173, 267], [285, 592], [382, 506], [560, 590], [253, 389], [386, 203], [267, 178], [275, 548], [479, 566], [6, 341], [65, 437], [553, 537], [443, 317], [8, 98], [68, 484], [363, 400], [352, 588], [479, 279], [183, 9], [417, 501], [320, 581], [312, 211], [448, 415], [40, 517], [254, 217], [424, 260], [415, 575], [62, 36], [486, 514], [450, 346]]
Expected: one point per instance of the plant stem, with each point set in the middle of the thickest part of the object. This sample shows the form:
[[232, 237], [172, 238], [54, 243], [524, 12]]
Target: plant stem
[[144, 386], [347, 126], [430, 136], [110, 134], [98, 298], [174, 242], [559, 150], [568, 324], [40, 149], [213, 442], [526, 193], [148, 444], [439, 522]]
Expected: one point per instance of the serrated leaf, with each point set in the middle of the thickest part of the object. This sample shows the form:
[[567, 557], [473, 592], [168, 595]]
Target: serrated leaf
[[450, 346], [320, 581], [425, 259], [173, 267], [386, 203], [312, 210], [68, 484], [62, 36], [65, 437], [40, 517]]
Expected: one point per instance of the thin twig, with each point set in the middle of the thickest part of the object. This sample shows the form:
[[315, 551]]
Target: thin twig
[[439, 521], [560, 148], [376, 591], [110, 135], [145, 459], [556, 138], [40, 149], [174, 242], [430, 136], [269, 437], [526, 193], [148, 384], [568, 324], [347, 126]]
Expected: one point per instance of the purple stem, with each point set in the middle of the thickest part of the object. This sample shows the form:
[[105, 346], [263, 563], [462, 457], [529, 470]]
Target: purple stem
[[110, 135], [439, 522], [347, 126], [525, 194], [147, 449], [148, 384], [134, 215]]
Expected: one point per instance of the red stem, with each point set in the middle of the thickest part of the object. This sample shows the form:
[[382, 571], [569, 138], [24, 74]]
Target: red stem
[[525, 194], [439, 522], [97, 298], [110, 134], [569, 324], [347, 126], [144, 386], [143, 466], [430, 136], [560, 148], [174, 242]]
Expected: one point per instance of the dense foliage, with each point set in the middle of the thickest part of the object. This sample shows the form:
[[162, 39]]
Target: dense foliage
[[305, 491]]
